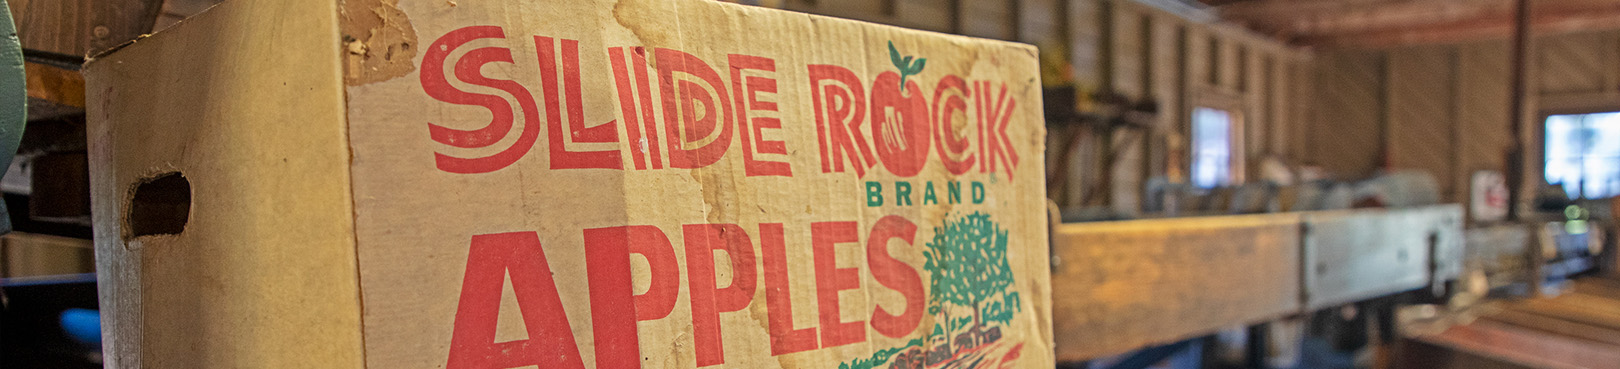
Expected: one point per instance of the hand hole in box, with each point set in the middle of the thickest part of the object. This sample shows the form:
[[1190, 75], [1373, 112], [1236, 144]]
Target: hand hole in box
[[160, 205]]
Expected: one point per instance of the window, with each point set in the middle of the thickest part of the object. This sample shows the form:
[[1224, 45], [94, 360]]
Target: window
[[1583, 154], [1211, 147]]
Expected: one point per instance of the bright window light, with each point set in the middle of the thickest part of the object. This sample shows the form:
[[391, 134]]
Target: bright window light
[[1211, 147], [1583, 154]]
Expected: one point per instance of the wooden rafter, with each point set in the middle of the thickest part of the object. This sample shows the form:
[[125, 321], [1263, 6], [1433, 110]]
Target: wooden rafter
[[1395, 22], [1485, 28]]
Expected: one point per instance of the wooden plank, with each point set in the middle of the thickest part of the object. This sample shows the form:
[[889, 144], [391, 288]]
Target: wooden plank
[[113, 23], [1156, 54], [1420, 90], [1578, 63], [1118, 286], [1126, 178], [17, 8], [1595, 304], [83, 27], [1256, 118], [1084, 34], [1281, 10], [1200, 65], [1228, 67], [176, 10], [1039, 22], [1279, 106], [1570, 312], [1425, 354], [1345, 135], [54, 84], [1380, 23], [1481, 105], [870, 11], [1470, 31], [58, 26], [986, 18], [1552, 324], [1128, 65], [1222, 29], [1577, 103], [1166, 87], [26, 254], [1302, 99], [1195, 66], [1533, 348], [1604, 280], [1126, 52], [932, 15], [1600, 287]]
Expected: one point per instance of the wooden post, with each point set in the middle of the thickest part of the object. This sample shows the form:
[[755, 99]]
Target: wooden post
[[1515, 154]]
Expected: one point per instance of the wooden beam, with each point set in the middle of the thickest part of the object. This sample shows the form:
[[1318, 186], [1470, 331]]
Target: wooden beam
[[53, 26], [1221, 2], [57, 85], [113, 23], [82, 27], [1400, 15], [1385, 22], [1492, 28], [1288, 11], [1523, 29], [1119, 286]]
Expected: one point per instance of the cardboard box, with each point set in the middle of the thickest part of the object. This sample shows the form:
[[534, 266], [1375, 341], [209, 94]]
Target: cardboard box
[[471, 184]]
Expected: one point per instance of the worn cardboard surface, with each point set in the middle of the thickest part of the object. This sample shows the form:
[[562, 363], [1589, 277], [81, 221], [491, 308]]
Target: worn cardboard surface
[[433, 243], [249, 108], [606, 184]]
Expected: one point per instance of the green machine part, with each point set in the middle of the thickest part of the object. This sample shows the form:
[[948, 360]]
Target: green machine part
[[13, 99]]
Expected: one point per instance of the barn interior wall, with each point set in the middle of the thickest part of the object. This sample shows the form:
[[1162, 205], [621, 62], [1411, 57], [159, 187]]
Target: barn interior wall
[[1143, 50], [1444, 108]]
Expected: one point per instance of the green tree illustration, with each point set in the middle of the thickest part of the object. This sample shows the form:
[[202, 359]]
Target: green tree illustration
[[1002, 311], [968, 262], [880, 357]]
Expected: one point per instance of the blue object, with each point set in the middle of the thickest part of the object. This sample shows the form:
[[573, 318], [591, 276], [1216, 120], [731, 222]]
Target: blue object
[[1186, 354], [83, 325], [1318, 353]]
